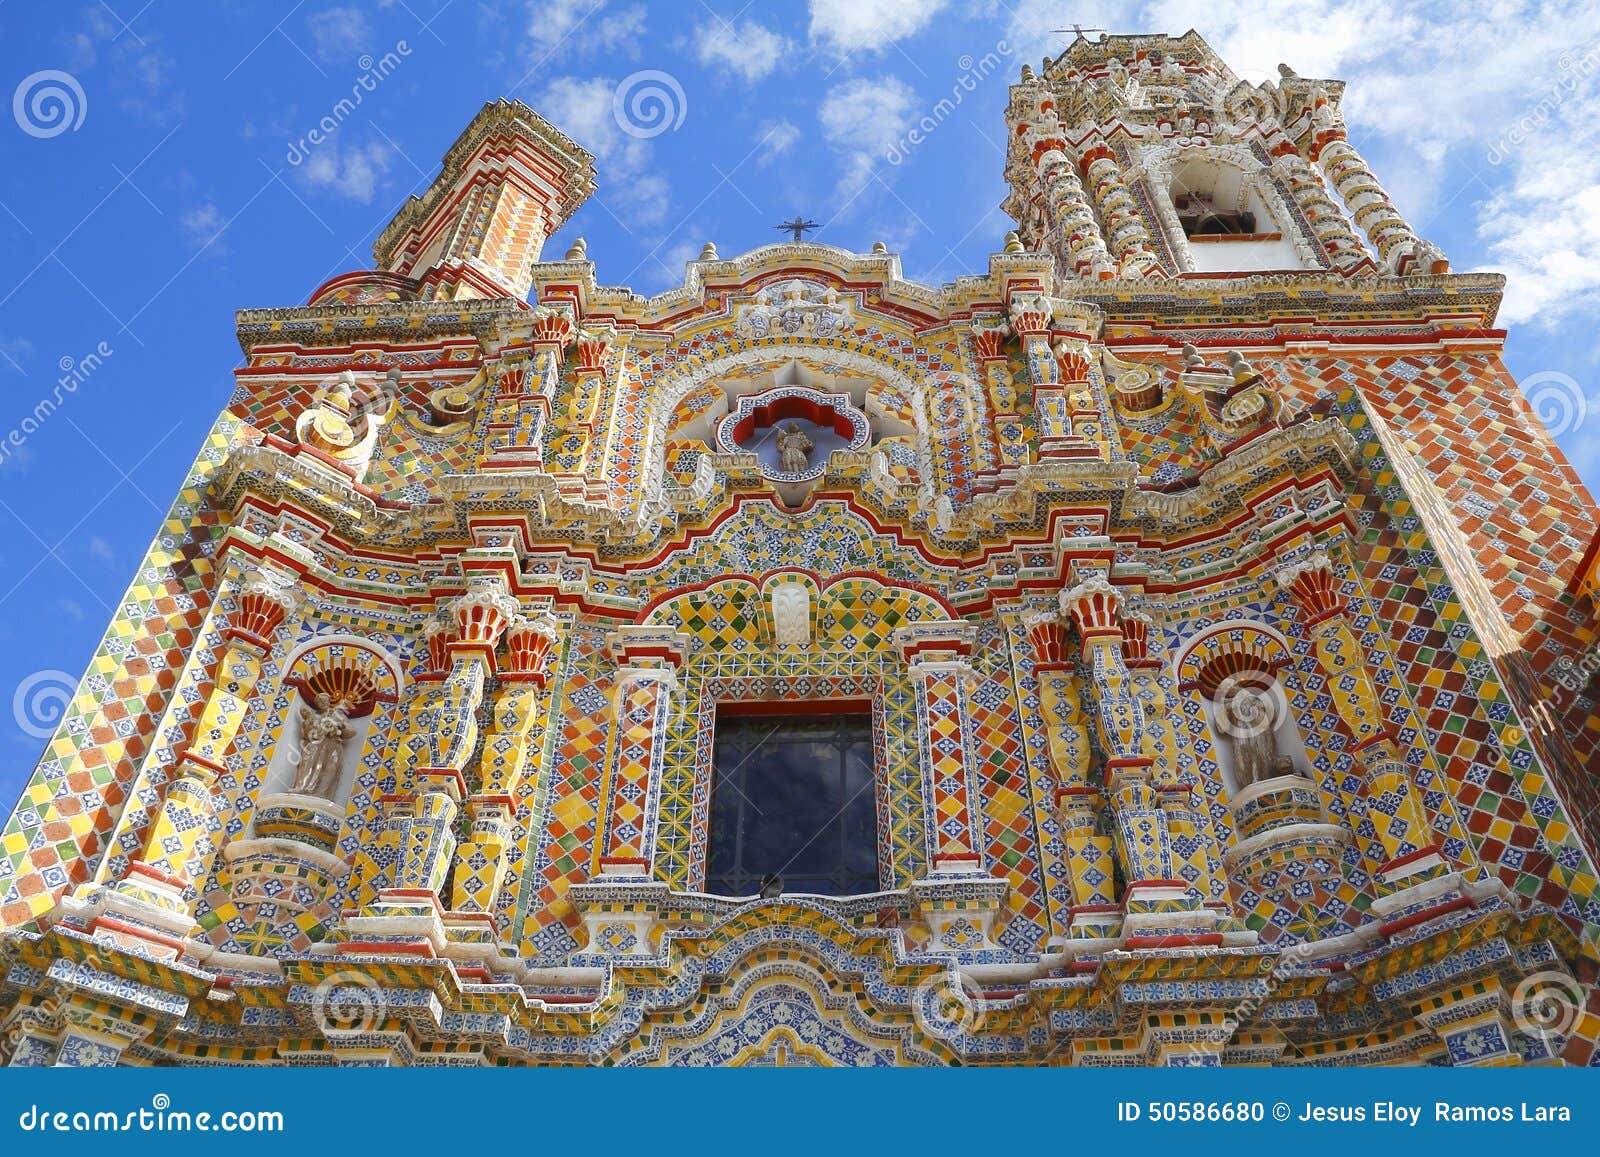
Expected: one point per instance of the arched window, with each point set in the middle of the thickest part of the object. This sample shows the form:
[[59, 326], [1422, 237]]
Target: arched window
[[1227, 217]]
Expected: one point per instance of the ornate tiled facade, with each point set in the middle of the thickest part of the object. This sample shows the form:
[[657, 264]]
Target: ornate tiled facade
[[1217, 601]]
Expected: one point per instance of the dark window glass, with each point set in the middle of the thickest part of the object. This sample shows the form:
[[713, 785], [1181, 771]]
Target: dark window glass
[[793, 795]]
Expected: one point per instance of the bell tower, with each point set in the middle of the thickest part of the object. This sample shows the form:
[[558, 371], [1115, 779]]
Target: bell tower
[[1147, 157]]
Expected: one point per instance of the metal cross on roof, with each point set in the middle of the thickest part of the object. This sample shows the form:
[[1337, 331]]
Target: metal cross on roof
[[798, 227]]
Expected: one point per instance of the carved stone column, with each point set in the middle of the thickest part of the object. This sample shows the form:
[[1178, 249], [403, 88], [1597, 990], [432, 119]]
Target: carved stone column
[[1005, 441], [1077, 241], [508, 759], [936, 654], [1399, 247], [1095, 607], [1187, 829], [1158, 908], [1339, 243], [1411, 850]]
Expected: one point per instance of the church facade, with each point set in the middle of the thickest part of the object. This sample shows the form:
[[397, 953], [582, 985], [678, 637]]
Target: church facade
[[1168, 645]]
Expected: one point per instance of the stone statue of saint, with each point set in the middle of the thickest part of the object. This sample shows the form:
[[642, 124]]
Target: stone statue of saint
[[794, 449], [323, 734], [1247, 719]]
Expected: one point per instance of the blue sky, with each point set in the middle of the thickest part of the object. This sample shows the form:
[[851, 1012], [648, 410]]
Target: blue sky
[[171, 184]]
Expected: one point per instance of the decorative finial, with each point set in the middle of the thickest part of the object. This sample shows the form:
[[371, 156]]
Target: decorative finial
[[1027, 74], [579, 250], [1242, 370], [1286, 72], [1013, 243], [879, 247], [709, 252]]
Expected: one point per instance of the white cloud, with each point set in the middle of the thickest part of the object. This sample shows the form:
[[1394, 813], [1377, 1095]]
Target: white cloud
[[570, 29], [862, 119], [339, 34], [631, 189], [352, 172], [848, 26], [583, 110], [749, 49], [202, 225], [776, 137]]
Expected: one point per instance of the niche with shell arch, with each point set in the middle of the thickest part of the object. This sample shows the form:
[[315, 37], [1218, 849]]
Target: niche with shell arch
[[357, 676], [1234, 667]]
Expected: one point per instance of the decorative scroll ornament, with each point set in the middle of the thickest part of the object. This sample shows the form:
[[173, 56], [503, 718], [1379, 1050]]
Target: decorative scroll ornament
[[343, 422]]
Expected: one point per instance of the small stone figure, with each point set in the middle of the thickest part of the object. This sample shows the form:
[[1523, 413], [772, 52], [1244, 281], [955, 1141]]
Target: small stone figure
[[794, 449], [323, 734], [1247, 721]]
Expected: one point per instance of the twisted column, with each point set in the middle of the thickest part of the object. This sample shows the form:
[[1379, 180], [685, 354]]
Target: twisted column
[[1079, 245], [1125, 228]]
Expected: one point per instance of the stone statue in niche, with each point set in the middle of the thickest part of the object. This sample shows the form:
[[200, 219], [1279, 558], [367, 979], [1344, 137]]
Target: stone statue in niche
[[1247, 716], [794, 449], [324, 730]]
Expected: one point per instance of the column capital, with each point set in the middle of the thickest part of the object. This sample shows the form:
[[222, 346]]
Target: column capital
[[643, 647], [938, 640], [265, 600], [530, 643], [1031, 314], [1095, 608], [1314, 586]]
